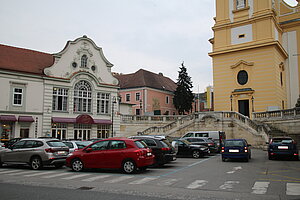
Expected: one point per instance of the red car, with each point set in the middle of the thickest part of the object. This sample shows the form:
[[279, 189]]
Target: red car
[[113, 153]]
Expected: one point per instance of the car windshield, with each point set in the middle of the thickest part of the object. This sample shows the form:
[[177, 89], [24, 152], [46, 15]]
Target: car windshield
[[282, 140], [140, 144], [69, 144], [234, 143], [56, 144]]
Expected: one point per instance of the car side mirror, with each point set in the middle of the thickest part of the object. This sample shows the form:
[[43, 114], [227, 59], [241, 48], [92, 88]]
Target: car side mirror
[[88, 150], [249, 145]]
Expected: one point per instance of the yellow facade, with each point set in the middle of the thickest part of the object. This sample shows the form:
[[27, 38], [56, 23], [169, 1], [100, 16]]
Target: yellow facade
[[255, 55]]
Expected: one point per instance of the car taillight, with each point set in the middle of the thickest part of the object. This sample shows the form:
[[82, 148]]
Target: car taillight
[[295, 154], [246, 149], [165, 149], [223, 149], [49, 150], [210, 144], [139, 152]]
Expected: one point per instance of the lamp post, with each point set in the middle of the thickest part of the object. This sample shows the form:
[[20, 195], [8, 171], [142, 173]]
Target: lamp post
[[231, 102], [112, 116], [252, 100]]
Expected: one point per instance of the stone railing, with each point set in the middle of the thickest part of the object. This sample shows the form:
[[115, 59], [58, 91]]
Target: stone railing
[[153, 118], [277, 114]]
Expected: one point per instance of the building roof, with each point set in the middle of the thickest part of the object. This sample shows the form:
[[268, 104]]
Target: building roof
[[24, 60], [143, 78]]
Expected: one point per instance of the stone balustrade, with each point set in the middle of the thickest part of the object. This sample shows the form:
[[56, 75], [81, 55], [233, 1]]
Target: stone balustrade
[[277, 114]]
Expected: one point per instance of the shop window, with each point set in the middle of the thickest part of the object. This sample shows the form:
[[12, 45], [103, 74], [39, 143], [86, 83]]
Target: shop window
[[59, 131], [24, 132], [6, 131], [103, 131], [82, 131]]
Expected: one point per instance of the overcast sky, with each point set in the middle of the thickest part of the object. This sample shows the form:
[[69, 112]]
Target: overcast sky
[[156, 35]]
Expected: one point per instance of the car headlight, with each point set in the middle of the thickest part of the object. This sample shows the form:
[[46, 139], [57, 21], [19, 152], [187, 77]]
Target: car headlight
[[202, 149]]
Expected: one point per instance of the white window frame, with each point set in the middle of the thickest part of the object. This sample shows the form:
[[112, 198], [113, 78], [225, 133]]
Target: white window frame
[[103, 102], [127, 97], [82, 97], [15, 94], [60, 94], [137, 96]]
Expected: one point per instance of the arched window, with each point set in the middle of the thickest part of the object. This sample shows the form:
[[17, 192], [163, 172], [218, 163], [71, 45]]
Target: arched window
[[84, 59], [83, 97]]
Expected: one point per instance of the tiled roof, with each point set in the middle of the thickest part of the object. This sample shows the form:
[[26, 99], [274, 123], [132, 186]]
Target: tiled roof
[[143, 78], [24, 60]]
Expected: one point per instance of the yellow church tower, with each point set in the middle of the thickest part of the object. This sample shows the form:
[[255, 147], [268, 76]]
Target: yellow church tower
[[255, 53]]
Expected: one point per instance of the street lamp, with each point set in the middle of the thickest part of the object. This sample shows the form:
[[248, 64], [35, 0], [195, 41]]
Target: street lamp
[[112, 116], [231, 102], [252, 100]]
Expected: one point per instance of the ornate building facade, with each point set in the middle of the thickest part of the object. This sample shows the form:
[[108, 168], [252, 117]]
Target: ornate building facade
[[255, 55], [70, 94]]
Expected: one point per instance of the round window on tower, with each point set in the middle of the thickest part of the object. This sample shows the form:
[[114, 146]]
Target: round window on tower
[[242, 77]]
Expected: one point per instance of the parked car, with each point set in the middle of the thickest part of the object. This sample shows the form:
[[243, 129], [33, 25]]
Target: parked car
[[76, 144], [185, 148], [164, 152], [216, 136], [12, 141], [283, 147], [236, 149], [213, 147], [113, 153], [36, 153]]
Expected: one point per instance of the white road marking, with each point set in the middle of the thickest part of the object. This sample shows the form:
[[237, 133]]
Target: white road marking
[[168, 182], [75, 176], [196, 184], [143, 180], [228, 185], [260, 187], [234, 170], [293, 189], [39, 173], [95, 178], [10, 171], [21, 173], [56, 175], [119, 179]]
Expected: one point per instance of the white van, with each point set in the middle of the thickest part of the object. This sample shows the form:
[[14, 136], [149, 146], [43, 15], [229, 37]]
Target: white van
[[217, 136]]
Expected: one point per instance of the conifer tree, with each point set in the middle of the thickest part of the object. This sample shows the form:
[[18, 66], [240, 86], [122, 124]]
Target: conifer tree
[[183, 96]]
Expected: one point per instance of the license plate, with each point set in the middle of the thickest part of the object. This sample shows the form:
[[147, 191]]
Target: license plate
[[61, 153], [283, 147], [234, 150]]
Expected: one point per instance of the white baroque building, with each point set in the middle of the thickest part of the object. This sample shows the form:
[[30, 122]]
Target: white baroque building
[[68, 95]]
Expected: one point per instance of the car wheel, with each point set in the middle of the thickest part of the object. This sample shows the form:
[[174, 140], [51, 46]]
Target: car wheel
[[196, 154], [36, 163], [128, 166], [77, 165]]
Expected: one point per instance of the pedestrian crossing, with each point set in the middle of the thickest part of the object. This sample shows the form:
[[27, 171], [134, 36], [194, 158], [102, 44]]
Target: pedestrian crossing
[[258, 187]]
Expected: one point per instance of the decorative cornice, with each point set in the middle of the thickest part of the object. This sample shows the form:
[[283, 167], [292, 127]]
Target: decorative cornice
[[242, 62]]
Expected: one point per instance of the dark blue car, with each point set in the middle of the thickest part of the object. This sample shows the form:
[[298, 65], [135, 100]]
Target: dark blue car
[[236, 149], [284, 147]]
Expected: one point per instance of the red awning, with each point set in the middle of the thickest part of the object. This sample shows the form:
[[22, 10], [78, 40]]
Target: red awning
[[63, 120], [81, 119], [8, 118], [25, 119], [102, 121]]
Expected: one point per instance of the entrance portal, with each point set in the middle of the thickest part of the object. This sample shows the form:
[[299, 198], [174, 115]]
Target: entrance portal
[[244, 107]]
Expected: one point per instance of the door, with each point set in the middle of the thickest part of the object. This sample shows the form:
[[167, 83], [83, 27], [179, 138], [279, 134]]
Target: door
[[244, 107], [96, 157], [13, 154]]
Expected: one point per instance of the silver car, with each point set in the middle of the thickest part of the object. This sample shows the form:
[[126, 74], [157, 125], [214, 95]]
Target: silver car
[[76, 144], [36, 153]]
